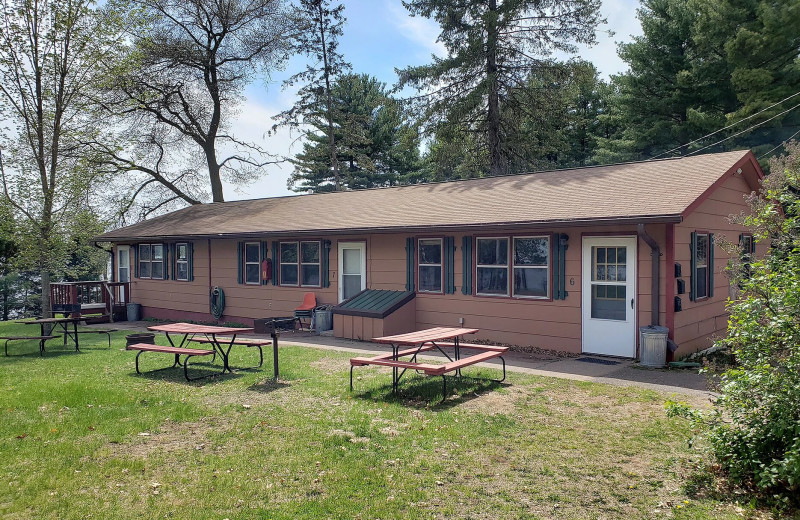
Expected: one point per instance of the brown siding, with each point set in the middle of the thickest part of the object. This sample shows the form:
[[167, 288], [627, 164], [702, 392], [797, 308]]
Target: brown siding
[[699, 323]]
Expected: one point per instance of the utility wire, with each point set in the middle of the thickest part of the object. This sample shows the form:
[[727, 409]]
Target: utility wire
[[725, 128], [781, 144], [743, 131]]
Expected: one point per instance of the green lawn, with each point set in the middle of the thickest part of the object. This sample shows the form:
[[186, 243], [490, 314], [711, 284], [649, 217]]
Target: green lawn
[[83, 436]]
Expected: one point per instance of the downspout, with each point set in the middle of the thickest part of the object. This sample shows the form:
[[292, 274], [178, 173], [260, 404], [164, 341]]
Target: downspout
[[655, 254]]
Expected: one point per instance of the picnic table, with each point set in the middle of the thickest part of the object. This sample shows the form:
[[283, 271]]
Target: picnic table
[[211, 332], [63, 323], [427, 340]]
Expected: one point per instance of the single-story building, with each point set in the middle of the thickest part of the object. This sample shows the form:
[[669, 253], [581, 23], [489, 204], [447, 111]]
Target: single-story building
[[573, 260]]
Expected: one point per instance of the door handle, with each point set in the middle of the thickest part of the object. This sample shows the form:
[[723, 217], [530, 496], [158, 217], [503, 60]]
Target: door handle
[[631, 303]]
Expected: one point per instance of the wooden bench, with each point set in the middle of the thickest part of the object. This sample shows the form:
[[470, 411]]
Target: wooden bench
[[41, 339], [247, 342], [107, 332], [487, 352], [176, 351]]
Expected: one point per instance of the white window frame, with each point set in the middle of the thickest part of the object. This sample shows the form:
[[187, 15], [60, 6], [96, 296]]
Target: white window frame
[[257, 263], [300, 262], [123, 252], [440, 265], [547, 267], [697, 265], [281, 263], [151, 261], [178, 261], [494, 266]]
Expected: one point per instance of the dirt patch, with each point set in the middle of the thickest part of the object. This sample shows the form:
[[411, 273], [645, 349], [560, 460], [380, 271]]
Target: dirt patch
[[172, 437], [495, 402], [331, 365]]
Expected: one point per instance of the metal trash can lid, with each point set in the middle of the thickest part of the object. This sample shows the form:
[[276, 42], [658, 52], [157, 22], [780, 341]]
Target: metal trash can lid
[[653, 329]]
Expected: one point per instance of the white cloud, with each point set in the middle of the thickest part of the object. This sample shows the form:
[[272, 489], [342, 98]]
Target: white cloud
[[420, 31]]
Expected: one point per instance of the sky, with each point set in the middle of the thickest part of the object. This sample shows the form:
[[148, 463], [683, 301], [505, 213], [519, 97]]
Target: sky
[[379, 36]]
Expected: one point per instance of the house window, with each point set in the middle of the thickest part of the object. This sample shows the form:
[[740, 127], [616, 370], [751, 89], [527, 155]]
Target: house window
[[310, 264], [289, 263], [492, 266], [182, 262], [532, 267], [252, 258], [430, 265], [151, 261], [701, 267]]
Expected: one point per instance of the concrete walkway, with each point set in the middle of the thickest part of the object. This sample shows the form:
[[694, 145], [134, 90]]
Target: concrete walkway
[[612, 371]]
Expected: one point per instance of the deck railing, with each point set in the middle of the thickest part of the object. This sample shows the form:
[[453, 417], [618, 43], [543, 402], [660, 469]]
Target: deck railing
[[91, 297]]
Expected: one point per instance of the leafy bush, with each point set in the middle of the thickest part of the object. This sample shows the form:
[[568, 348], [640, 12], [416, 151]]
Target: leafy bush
[[754, 429]]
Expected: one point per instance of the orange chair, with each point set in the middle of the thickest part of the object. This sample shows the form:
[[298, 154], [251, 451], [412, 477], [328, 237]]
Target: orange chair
[[306, 309]]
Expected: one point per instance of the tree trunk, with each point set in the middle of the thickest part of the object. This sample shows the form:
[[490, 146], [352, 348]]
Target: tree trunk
[[493, 120], [328, 101], [45, 275], [214, 176]]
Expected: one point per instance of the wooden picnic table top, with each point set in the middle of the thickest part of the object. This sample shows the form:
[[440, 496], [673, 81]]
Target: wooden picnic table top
[[423, 336], [191, 328]]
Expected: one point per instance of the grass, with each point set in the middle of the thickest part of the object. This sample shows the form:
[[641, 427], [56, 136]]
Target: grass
[[83, 436]]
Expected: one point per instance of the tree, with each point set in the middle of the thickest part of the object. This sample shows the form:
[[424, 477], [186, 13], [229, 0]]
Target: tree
[[8, 250], [177, 84], [319, 41], [49, 56], [754, 428], [374, 141], [665, 100], [491, 49]]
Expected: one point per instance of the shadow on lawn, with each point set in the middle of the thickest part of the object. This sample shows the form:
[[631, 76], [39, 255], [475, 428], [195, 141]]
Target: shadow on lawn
[[426, 392], [268, 385], [208, 374]]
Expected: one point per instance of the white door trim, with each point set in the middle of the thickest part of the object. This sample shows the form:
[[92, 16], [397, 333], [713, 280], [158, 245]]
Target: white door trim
[[126, 252], [614, 337], [362, 246]]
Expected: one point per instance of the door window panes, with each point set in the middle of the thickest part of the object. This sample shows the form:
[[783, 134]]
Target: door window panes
[[609, 298]]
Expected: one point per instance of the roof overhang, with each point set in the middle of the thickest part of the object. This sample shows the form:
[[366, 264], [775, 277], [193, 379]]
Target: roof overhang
[[450, 228]]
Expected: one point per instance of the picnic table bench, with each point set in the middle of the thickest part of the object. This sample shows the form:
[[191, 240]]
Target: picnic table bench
[[176, 351], [107, 332], [424, 341], [41, 339]]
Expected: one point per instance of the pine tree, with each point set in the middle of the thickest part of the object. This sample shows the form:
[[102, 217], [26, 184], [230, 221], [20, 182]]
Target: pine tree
[[319, 41], [492, 47], [374, 144]]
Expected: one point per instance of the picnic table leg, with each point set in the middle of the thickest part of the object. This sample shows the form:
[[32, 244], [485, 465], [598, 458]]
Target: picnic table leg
[[351, 372], [177, 357], [395, 378], [275, 359], [75, 331]]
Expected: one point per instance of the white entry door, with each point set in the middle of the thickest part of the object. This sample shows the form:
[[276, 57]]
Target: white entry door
[[352, 269], [123, 269], [609, 296]]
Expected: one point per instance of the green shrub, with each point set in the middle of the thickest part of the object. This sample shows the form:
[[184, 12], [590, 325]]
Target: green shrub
[[754, 429]]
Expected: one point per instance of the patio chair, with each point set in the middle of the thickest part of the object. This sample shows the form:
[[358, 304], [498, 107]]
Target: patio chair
[[306, 309]]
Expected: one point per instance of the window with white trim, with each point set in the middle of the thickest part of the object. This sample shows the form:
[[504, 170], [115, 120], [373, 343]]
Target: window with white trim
[[701, 270], [491, 266], [310, 264], [532, 267], [430, 264], [151, 261], [252, 261], [182, 262]]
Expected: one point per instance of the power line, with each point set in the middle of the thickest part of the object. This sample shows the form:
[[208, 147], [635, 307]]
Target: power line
[[745, 130], [781, 144], [725, 128]]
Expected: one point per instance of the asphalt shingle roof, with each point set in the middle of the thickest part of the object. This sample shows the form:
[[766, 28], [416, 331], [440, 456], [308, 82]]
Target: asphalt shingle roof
[[661, 189]]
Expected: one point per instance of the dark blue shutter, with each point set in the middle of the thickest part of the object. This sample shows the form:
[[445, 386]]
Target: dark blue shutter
[[136, 260], [275, 261], [165, 249], [466, 263], [264, 247], [410, 264], [174, 256], [190, 259], [559, 266], [449, 258], [693, 267], [711, 265], [325, 262], [240, 262]]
